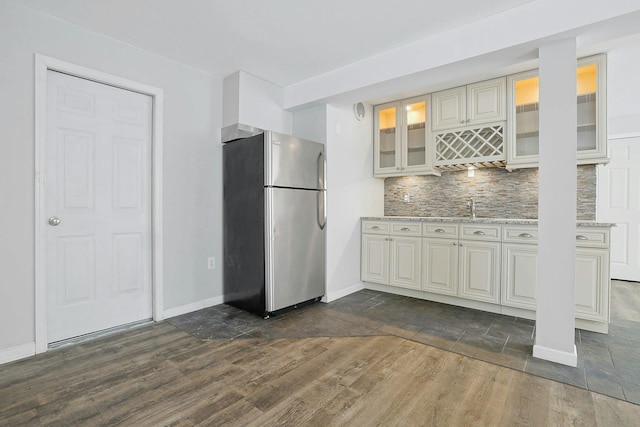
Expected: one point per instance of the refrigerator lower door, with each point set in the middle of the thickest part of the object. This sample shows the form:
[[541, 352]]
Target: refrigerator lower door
[[295, 247]]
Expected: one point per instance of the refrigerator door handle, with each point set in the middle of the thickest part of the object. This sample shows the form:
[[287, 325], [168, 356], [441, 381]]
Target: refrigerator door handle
[[322, 171], [322, 209]]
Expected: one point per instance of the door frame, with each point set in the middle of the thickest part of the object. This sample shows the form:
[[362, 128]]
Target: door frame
[[42, 65]]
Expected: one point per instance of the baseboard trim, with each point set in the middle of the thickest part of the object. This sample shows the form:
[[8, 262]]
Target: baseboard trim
[[557, 356], [194, 306], [18, 352], [332, 296]]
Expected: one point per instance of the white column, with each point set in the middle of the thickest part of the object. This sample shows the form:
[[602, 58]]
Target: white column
[[555, 321]]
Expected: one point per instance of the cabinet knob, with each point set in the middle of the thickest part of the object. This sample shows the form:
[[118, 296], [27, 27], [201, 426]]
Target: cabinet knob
[[479, 233], [375, 227], [455, 244], [526, 235], [461, 245], [468, 120], [581, 237], [404, 229], [439, 230], [462, 121]]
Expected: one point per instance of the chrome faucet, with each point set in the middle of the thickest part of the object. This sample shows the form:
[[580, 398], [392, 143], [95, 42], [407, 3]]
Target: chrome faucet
[[472, 208]]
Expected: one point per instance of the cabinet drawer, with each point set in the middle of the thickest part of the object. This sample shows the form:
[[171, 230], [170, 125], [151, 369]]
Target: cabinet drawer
[[375, 227], [406, 229], [588, 237], [480, 232], [439, 229], [520, 234]]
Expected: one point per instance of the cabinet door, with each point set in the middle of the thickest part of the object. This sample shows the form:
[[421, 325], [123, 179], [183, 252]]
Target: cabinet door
[[375, 259], [523, 92], [449, 108], [486, 101], [519, 275], [387, 139], [405, 262], [416, 150], [592, 108], [440, 266], [479, 271], [523, 114], [592, 284]]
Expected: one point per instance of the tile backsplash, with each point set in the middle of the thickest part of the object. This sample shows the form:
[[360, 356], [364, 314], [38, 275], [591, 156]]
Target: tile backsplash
[[496, 192]]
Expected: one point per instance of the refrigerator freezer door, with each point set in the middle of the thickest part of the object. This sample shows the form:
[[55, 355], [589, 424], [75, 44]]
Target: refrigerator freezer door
[[295, 245], [293, 162]]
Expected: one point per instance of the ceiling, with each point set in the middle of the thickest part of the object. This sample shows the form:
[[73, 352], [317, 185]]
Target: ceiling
[[282, 41]]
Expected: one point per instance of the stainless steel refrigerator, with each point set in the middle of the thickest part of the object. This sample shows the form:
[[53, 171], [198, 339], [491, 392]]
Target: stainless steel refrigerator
[[274, 222]]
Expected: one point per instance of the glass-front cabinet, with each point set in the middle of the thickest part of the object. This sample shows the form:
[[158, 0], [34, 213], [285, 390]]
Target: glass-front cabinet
[[401, 140], [523, 114]]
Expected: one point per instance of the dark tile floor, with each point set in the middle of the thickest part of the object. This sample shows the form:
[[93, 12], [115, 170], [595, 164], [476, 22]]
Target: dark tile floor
[[607, 364]]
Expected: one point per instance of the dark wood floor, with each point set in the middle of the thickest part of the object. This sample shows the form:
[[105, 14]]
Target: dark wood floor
[[159, 375]]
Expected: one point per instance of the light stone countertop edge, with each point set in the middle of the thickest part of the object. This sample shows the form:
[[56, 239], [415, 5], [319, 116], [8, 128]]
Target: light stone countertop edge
[[507, 221]]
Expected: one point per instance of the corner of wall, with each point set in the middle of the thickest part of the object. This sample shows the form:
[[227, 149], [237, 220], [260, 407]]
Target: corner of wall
[[231, 99]]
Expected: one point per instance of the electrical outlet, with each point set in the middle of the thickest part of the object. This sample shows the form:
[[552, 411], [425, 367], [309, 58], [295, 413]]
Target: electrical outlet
[[211, 262], [407, 197]]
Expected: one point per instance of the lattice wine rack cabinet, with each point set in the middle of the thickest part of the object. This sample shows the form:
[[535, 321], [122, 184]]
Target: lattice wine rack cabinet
[[482, 146]]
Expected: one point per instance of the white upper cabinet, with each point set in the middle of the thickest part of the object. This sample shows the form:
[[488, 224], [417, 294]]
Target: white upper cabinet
[[402, 140], [470, 105], [487, 101], [386, 140], [449, 109], [523, 115]]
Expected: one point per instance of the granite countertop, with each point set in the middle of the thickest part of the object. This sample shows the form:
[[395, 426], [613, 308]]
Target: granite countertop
[[579, 223]]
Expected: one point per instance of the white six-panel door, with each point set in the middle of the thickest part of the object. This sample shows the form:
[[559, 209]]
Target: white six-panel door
[[619, 202], [98, 194]]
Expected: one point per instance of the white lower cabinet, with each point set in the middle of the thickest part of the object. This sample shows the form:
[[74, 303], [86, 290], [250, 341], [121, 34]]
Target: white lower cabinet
[[519, 279], [479, 271], [463, 268], [440, 266], [375, 259], [519, 275], [592, 284], [493, 265], [391, 257], [405, 262]]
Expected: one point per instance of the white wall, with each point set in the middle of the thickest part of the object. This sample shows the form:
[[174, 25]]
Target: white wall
[[251, 101], [352, 192], [192, 160], [623, 88]]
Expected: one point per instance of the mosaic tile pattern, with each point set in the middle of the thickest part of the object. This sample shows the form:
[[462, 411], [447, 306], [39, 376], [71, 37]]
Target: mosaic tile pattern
[[496, 192]]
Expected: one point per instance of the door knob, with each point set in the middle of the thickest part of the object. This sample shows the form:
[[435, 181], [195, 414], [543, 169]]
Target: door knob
[[54, 221]]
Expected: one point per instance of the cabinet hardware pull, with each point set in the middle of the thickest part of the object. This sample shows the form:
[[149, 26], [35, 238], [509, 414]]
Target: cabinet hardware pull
[[375, 227], [468, 120], [527, 235], [479, 233], [462, 121], [404, 229], [455, 244], [581, 237], [439, 230], [460, 244]]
